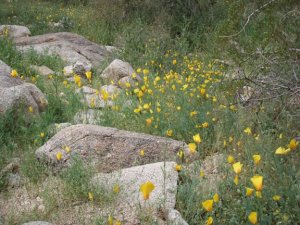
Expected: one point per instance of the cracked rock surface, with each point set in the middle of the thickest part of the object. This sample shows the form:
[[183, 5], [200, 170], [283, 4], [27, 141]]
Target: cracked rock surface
[[107, 148]]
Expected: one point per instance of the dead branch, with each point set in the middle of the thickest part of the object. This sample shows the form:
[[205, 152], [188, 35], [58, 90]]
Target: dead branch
[[248, 19]]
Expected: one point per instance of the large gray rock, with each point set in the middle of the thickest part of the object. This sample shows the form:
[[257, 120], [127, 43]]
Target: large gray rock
[[14, 31], [107, 148], [70, 47], [14, 93], [117, 70], [130, 202]]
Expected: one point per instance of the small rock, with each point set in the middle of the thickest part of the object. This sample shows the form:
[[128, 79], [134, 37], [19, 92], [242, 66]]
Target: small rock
[[86, 90], [91, 116], [14, 180], [42, 70], [14, 31], [127, 82], [55, 128], [116, 70], [112, 90], [41, 208], [175, 218], [68, 71], [37, 223], [80, 68]]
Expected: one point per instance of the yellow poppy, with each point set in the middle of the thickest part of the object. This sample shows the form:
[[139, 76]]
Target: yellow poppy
[[178, 167], [208, 205], [169, 133], [237, 167], [216, 197], [282, 151], [256, 159], [230, 159], [276, 197], [293, 144], [197, 138], [59, 156], [248, 131], [88, 75], [257, 182], [14, 73], [146, 189], [209, 221], [91, 197], [192, 147], [253, 218], [249, 191]]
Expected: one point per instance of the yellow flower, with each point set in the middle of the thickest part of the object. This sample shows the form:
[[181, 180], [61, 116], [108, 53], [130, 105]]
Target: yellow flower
[[209, 221], [197, 138], [282, 151], [145, 72], [110, 220], [146, 189], [202, 91], [14, 73], [174, 61], [104, 95], [249, 191], [236, 180], [253, 218], [67, 149], [248, 131], [192, 147], [224, 144], [180, 154], [208, 205], [276, 197], [178, 167], [146, 106], [257, 182], [30, 109], [202, 173], [116, 188], [256, 159], [88, 75], [42, 134], [91, 196], [142, 152], [193, 113], [118, 223], [148, 121], [205, 124], [293, 144], [230, 159], [59, 156], [169, 133], [237, 167], [216, 198], [77, 79]]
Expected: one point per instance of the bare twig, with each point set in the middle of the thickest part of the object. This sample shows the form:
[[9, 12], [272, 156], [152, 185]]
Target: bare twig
[[248, 19]]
